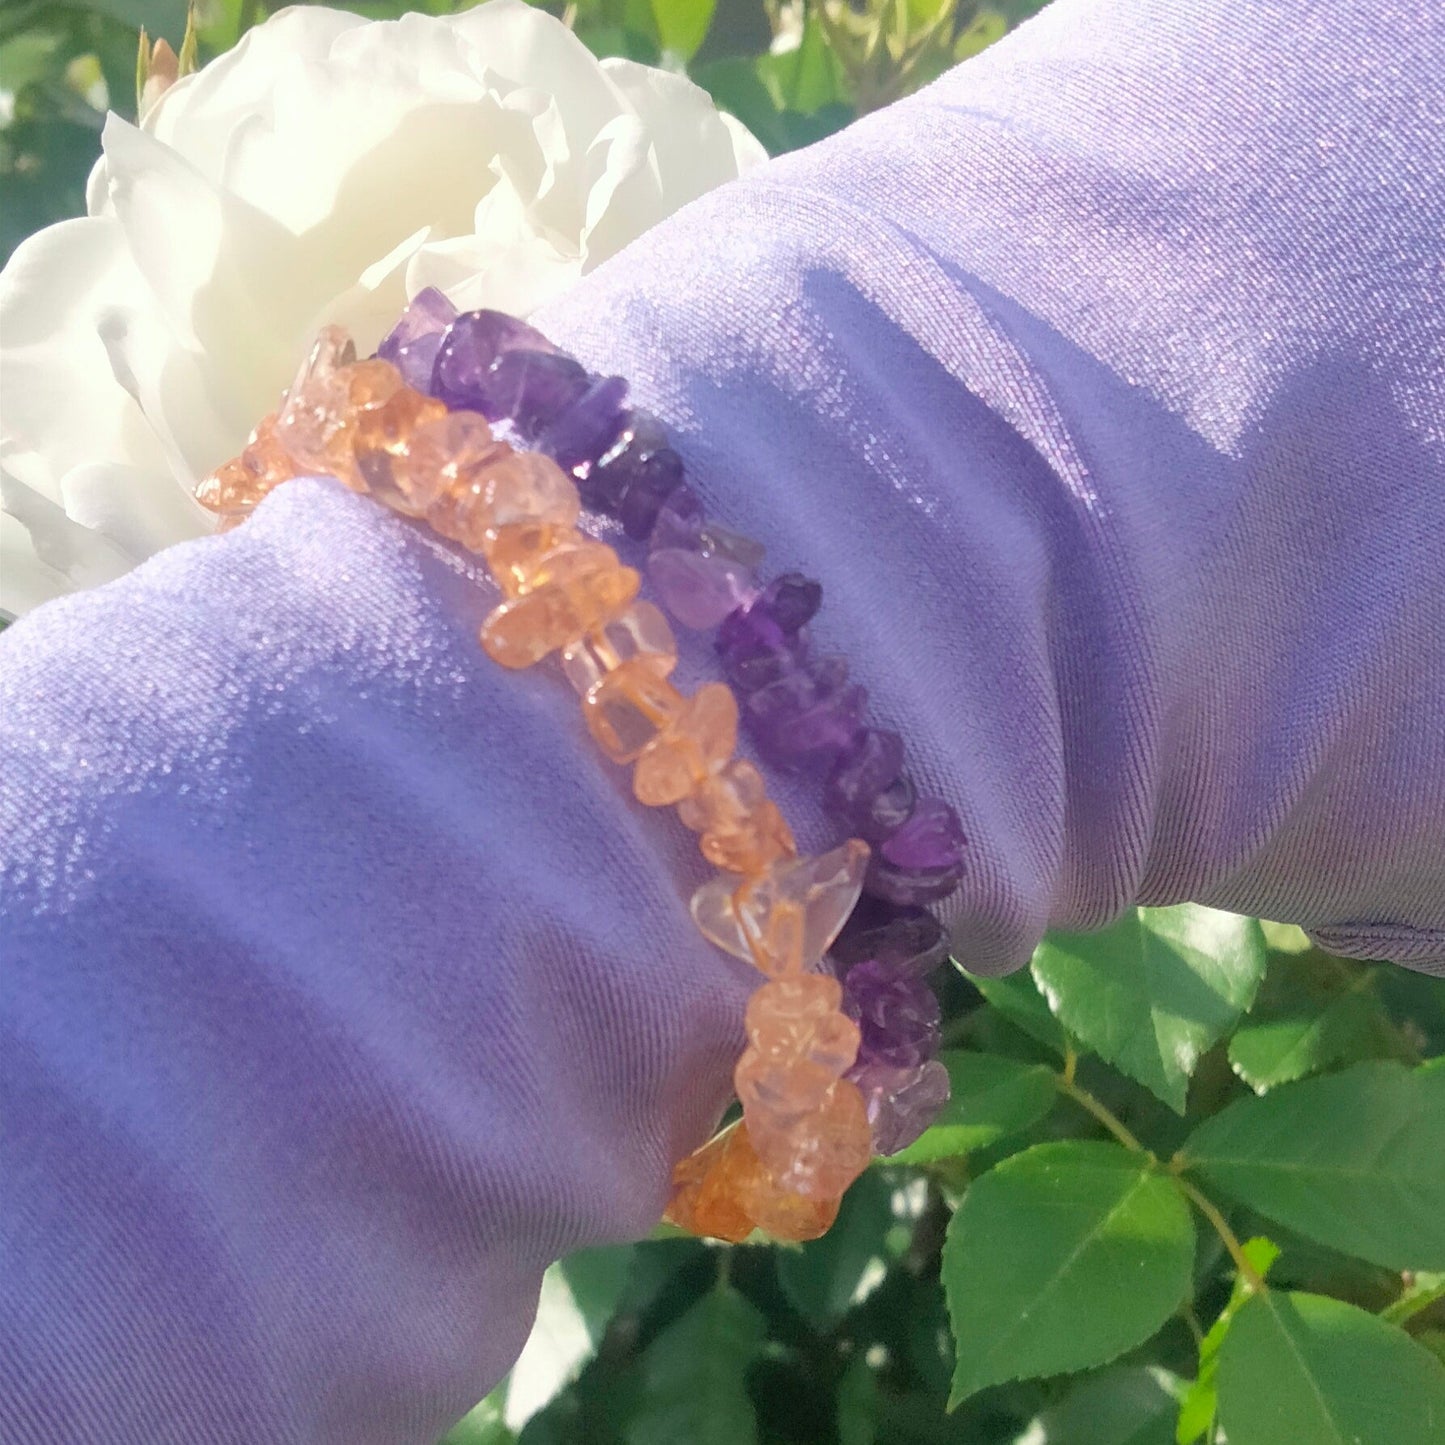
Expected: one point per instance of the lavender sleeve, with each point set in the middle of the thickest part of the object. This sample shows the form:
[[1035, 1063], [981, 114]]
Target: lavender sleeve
[[341, 988]]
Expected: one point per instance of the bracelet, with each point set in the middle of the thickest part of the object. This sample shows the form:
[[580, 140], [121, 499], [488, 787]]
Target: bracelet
[[829, 1075], [801, 712]]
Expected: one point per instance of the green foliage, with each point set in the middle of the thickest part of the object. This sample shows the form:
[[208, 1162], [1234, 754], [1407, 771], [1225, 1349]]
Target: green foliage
[[1062, 1257], [1058, 1260], [1355, 1160], [1154, 992], [1298, 1367]]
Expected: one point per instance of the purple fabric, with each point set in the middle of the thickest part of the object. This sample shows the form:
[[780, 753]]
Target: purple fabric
[[1101, 385]]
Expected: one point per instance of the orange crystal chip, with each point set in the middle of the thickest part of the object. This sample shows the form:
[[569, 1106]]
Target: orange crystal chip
[[786, 916], [639, 632], [702, 1201], [506, 489], [798, 1018], [382, 443], [628, 708], [779, 1211], [525, 629], [723, 1191], [749, 845], [698, 741], [822, 1154], [779, 1094]]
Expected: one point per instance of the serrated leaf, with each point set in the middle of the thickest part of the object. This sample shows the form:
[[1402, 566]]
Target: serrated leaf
[[1278, 1051], [1154, 991], [1355, 1160], [1134, 1406], [1016, 996], [825, 1278], [1302, 1367], [579, 1297], [1201, 1402], [682, 24], [695, 1376], [990, 1098], [1062, 1257]]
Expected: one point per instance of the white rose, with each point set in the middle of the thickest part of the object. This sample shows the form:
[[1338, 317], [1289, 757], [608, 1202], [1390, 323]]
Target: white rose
[[327, 169]]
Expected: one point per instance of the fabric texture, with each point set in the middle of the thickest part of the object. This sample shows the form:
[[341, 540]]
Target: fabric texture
[[342, 986]]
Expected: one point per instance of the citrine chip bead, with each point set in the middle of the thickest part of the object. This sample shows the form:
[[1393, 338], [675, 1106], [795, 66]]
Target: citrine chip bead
[[640, 633], [822, 1155], [779, 1211], [779, 1094], [704, 1201], [698, 741], [508, 489], [749, 845], [382, 443], [787, 916], [796, 1018], [627, 709], [523, 630]]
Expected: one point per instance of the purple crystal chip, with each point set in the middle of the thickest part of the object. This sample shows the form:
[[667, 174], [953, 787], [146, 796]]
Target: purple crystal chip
[[412, 344], [897, 1016], [531, 389], [578, 435], [923, 860], [869, 789], [809, 717], [901, 1102], [904, 940], [698, 591], [468, 349], [679, 522]]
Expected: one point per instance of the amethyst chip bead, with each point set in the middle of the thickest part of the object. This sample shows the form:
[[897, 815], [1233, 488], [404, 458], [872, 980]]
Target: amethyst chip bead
[[897, 1016], [907, 941], [922, 861], [901, 1103], [414, 341]]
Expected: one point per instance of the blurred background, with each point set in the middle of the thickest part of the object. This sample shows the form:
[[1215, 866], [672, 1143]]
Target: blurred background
[[790, 71]]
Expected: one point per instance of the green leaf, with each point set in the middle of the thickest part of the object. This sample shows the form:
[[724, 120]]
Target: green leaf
[[1280, 1050], [1018, 999], [1298, 1368], [1062, 1257], [807, 77], [1155, 990], [1115, 1407], [1201, 1403], [482, 1425], [825, 1278], [694, 1376], [682, 24], [579, 1297], [160, 17], [1355, 1160], [1284, 937], [1422, 1292], [990, 1097], [858, 1404]]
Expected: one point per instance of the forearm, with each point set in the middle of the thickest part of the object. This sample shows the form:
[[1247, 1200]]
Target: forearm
[[1101, 387]]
